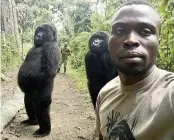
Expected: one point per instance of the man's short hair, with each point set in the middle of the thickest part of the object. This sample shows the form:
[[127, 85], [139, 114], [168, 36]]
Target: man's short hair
[[130, 2], [139, 2]]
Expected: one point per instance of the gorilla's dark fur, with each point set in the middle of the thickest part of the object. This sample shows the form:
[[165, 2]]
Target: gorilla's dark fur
[[99, 66], [36, 77]]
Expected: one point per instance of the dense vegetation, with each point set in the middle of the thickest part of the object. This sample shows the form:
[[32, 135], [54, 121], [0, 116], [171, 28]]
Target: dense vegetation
[[75, 20]]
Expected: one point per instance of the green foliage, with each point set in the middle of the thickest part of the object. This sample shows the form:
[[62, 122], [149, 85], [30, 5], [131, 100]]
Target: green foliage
[[63, 39], [10, 57], [28, 35], [32, 13], [43, 16], [81, 14], [79, 79], [111, 7], [79, 46], [25, 14], [99, 22], [166, 59]]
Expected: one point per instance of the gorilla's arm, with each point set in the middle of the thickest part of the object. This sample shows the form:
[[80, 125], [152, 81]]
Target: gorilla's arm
[[109, 67], [90, 65], [51, 58]]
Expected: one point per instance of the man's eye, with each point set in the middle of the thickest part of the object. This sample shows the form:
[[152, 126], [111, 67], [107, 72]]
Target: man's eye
[[118, 31], [145, 32]]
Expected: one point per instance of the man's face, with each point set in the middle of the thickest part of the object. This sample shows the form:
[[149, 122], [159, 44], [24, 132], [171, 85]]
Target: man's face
[[65, 45], [134, 38]]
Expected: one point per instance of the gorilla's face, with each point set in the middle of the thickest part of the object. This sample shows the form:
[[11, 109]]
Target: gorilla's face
[[43, 34], [98, 43]]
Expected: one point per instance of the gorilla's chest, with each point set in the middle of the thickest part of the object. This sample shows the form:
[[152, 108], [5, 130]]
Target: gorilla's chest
[[32, 63], [34, 57]]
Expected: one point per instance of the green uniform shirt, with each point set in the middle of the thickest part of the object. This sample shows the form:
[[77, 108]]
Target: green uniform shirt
[[65, 52]]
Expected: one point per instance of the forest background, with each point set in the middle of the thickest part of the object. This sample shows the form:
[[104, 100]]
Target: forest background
[[75, 20]]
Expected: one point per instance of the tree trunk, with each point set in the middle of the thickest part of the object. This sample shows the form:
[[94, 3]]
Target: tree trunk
[[9, 23]]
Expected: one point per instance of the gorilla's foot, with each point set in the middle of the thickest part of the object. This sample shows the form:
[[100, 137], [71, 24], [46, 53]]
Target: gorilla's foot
[[41, 133], [30, 122]]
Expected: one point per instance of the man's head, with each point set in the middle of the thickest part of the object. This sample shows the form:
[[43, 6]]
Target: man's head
[[134, 38], [66, 44]]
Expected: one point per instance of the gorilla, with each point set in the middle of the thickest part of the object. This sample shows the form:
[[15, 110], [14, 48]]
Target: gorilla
[[36, 78], [100, 69]]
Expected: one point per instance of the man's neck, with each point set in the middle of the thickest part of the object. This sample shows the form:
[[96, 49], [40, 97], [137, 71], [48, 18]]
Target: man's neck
[[130, 79]]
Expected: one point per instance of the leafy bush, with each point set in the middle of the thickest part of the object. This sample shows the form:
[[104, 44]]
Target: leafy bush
[[79, 46], [99, 22], [28, 36], [166, 56], [10, 57]]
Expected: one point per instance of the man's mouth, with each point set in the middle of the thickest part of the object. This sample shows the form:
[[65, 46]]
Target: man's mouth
[[130, 54]]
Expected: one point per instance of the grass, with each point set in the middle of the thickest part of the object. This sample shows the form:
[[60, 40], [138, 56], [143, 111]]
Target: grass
[[79, 79]]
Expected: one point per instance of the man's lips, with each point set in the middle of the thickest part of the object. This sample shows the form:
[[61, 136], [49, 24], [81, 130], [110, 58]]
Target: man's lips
[[130, 54]]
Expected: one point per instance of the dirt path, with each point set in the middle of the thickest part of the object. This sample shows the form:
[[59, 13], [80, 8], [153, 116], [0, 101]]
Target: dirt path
[[72, 116]]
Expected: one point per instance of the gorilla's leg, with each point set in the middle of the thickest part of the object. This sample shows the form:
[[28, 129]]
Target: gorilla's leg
[[94, 91], [43, 110], [30, 110], [43, 116]]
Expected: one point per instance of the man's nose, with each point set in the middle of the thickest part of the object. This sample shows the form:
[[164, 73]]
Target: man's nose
[[132, 40]]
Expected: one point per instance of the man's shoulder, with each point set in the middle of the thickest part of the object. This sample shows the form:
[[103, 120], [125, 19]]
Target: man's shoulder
[[166, 75], [163, 71], [110, 86], [165, 81]]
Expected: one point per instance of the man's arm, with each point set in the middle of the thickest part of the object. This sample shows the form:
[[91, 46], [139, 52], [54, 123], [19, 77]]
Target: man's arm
[[98, 119]]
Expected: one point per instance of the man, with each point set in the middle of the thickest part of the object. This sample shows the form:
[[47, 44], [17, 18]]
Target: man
[[65, 53], [139, 103]]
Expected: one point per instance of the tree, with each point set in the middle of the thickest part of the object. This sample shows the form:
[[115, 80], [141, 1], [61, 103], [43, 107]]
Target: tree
[[9, 23], [10, 39], [81, 14], [166, 55]]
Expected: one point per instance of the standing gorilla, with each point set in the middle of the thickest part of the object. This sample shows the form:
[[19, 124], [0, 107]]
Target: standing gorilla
[[99, 66], [36, 77]]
